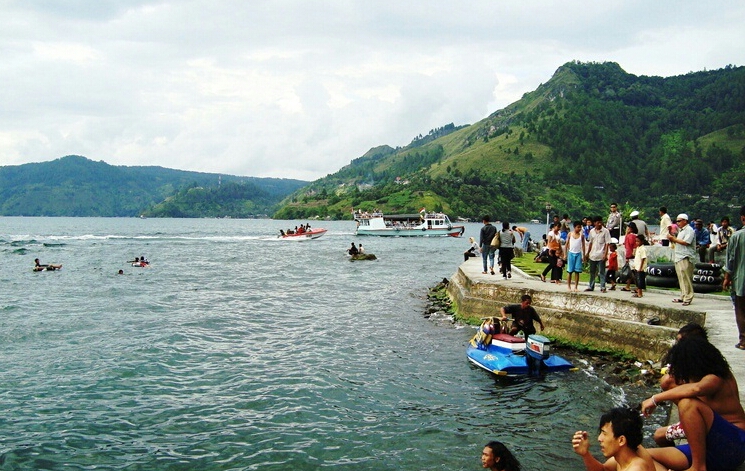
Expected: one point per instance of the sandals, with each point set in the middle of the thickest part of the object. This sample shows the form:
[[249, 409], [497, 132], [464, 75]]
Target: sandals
[[687, 303], [492, 272], [625, 289], [740, 346], [678, 300], [635, 295], [543, 278]]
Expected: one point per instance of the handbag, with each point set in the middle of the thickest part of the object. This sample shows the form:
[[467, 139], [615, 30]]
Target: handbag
[[625, 274], [496, 242]]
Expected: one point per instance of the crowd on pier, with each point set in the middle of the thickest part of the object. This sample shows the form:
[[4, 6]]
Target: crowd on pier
[[699, 380]]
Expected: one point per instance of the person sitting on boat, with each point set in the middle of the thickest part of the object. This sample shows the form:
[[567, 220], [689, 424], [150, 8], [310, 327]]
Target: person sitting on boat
[[144, 261], [281, 233], [353, 250], [360, 249], [523, 315]]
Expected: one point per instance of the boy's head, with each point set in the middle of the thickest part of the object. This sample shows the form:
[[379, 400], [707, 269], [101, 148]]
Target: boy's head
[[577, 226], [612, 247], [620, 427], [640, 240]]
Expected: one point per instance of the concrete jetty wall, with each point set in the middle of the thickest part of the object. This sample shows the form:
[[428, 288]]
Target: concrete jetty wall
[[612, 320]]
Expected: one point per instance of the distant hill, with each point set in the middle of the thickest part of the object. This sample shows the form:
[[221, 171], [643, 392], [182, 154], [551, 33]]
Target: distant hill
[[77, 186], [590, 135]]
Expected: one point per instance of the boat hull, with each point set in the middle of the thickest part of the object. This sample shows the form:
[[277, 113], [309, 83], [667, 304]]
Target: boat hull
[[503, 362], [314, 234], [455, 231]]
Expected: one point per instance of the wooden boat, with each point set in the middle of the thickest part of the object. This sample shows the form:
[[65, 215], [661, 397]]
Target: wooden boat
[[504, 354], [407, 225]]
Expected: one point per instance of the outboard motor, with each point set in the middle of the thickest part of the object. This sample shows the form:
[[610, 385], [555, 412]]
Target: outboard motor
[[538, 347]]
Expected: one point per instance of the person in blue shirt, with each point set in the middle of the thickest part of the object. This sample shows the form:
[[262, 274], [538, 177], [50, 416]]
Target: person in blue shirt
[[703, 240]]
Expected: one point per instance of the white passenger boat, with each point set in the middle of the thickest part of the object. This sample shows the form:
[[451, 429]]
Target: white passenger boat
[[423, 224]]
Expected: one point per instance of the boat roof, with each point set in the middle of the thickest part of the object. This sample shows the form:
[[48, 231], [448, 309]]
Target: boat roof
[[406, 217]]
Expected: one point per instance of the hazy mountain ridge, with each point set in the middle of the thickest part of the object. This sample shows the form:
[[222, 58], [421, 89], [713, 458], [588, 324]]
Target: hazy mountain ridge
[[78, 186]]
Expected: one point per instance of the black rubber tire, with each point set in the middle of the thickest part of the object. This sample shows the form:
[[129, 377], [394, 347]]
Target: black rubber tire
[[662, 281], [707, 280], [708, 266], [704, 288], [707, 272], [661, 270]]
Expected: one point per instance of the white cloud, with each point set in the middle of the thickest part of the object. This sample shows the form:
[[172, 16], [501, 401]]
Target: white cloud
[[292, 88]]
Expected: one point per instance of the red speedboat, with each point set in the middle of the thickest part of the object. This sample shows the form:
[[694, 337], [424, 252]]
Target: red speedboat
[[312, 234]]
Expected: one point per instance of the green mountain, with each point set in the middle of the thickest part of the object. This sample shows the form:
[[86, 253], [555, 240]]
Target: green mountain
[[77, 186], [591, 135]]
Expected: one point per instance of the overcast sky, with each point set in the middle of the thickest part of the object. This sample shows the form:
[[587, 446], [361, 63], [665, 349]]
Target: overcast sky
[[298, 88]]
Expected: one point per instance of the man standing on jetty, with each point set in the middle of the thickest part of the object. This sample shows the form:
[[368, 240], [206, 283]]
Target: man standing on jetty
[[684, 255], [485, 237], [614, 222], [597, 253], [734, 276]]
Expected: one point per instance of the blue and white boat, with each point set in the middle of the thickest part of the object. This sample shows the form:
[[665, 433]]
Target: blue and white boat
[[508, 355]]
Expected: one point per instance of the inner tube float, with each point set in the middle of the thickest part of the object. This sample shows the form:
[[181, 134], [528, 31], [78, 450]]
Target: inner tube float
[[707, 279], [706, 288], [662, 281], [661, 269]]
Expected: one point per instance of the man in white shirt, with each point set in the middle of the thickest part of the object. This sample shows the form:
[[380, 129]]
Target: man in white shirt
[[597, 253], [665, 224], [684, 255]]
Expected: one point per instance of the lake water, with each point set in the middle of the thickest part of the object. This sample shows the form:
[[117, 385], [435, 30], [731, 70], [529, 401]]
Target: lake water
[[238, 351]]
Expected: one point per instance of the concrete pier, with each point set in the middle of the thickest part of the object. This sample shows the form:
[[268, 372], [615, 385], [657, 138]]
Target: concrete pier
[[612, 320]]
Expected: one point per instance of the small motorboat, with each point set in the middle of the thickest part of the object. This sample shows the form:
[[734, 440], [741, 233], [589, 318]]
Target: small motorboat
[[503, 354], [311, 234]]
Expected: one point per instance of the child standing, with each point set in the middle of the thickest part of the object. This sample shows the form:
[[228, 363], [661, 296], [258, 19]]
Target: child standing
[[640, 266], [612, 266], [629, 243], [575, 249]]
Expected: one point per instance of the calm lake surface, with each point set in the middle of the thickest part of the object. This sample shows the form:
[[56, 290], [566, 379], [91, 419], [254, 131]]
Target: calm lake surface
[[238, 351]]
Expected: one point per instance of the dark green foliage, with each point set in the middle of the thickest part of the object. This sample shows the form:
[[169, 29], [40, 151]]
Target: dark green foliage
[[238, 200], [76, 186]]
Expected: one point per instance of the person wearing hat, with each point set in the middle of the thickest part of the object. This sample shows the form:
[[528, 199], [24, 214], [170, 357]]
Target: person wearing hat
[[684, 255], [641, 226]]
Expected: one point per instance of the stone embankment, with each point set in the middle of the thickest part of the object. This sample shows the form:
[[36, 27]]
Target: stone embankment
[[606, 321]]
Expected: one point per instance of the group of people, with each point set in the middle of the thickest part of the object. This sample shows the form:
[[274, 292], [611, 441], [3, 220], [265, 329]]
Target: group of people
[[301, 229], [355, 250], [705, 391], [712, 421], [595, 244], [493, 241]]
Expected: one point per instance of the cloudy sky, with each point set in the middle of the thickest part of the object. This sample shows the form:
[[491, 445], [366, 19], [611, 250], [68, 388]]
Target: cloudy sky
[[298, 88]]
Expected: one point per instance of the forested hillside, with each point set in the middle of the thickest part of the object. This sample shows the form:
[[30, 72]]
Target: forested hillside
[[591, 135], [77, 186]]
